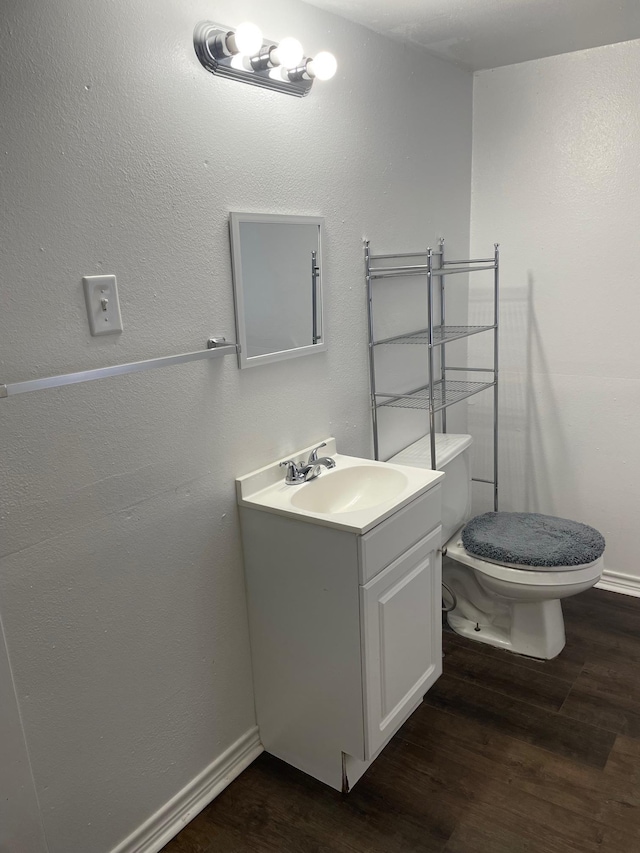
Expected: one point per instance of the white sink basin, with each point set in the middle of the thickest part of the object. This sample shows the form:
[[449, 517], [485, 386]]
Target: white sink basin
[[349, 489], [355, 495]]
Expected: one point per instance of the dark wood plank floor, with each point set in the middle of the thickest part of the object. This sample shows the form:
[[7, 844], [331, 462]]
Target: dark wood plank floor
[[506, 755]]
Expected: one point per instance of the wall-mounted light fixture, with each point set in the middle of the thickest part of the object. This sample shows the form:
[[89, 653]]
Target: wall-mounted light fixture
[[243, 54]]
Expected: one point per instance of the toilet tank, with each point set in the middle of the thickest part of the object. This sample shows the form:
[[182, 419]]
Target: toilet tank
[[453, 456]]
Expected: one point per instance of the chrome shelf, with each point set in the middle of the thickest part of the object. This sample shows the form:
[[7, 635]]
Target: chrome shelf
[[439, 392], [441, 335], [444, 270], [422, 269], [444, 394]]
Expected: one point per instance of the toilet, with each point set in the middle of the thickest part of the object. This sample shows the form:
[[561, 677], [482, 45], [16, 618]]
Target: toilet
[[503, 603]]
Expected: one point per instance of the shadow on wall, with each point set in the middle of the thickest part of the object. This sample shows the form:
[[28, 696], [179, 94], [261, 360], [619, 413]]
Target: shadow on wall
[[531, 457]]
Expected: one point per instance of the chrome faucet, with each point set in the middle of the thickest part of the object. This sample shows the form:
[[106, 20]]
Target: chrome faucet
[[301, 472]]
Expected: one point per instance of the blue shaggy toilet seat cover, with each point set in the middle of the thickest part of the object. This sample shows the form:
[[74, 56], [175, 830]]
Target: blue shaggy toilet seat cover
[[531, 539]]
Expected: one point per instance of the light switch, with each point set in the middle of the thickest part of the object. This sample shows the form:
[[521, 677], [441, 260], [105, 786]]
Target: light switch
[[103, 305]]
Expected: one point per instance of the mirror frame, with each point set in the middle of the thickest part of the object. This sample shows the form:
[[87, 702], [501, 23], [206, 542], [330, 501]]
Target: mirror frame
[[235, 220]]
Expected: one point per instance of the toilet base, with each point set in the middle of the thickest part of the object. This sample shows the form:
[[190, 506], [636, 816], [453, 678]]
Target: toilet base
[[531, 628]]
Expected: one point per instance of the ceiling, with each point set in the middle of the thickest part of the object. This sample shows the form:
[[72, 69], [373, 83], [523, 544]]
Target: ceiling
[[487, 33]]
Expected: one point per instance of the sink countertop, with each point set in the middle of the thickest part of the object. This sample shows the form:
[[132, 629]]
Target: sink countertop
[[265, 489]]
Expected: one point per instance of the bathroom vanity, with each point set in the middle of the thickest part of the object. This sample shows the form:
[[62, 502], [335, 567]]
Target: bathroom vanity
[[344, 594]]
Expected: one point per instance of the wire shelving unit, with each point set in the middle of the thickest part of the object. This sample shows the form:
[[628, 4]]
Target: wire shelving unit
[[441, 389]]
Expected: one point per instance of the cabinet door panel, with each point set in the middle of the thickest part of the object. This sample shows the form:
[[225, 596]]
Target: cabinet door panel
[[402, 641]]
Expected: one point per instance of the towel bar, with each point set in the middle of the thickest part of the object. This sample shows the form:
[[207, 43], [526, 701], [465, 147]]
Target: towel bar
[[215, 347]]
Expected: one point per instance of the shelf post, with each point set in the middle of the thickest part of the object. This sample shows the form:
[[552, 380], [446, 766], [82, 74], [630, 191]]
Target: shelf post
[[432, 418], [496, 313], [443, 322], [372, 367]]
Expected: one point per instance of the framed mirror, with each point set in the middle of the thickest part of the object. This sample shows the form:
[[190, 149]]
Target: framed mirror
[[277, 285]]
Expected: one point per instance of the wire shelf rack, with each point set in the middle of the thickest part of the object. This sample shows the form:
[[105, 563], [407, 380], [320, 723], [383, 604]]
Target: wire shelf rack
[[440, 391], [441, 335], [444, 394]]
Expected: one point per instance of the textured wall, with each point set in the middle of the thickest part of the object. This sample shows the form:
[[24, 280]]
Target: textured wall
[[556, 180], [121, 586]]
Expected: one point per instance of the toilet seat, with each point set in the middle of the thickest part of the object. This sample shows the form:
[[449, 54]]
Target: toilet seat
[[532, 539], [525, 575]]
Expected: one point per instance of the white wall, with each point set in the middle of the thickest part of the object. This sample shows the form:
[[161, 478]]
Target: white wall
[[121, 585], [556, 181]]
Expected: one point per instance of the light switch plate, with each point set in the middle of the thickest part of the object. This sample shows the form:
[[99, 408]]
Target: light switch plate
[[103, 305]]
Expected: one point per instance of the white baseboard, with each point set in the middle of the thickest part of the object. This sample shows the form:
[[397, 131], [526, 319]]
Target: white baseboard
[[617, 582], [153, 834]]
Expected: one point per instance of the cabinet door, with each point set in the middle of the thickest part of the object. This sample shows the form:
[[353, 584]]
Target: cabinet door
[[402, 639]]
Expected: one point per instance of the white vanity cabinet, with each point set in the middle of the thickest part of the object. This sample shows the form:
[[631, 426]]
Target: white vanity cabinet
[[345, 632]]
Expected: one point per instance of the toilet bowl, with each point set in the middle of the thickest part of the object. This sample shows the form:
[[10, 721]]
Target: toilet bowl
[[512, 606], [508, 605]]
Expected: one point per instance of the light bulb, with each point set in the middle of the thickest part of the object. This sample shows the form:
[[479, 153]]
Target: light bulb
[[288, 53], [247, 39], [279, 73], [323, 66], [241, 62]]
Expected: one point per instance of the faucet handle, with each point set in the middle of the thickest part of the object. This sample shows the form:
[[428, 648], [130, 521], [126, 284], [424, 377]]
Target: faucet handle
[[313, 456], [293, 472]]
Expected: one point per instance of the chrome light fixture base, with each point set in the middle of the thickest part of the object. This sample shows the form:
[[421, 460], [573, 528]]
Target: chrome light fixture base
[[207, 39]]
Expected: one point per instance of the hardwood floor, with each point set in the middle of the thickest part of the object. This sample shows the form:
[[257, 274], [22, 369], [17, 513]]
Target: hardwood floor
[[505, 755]]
